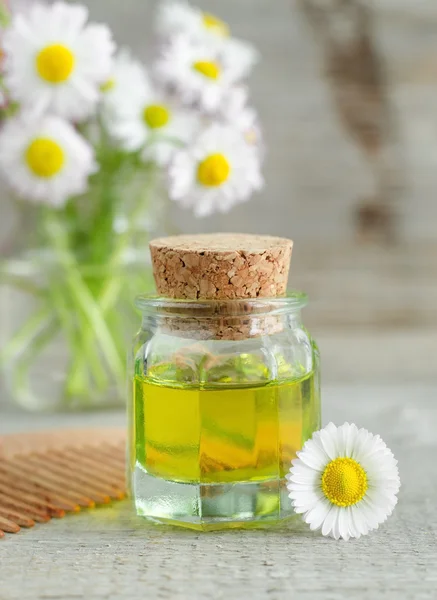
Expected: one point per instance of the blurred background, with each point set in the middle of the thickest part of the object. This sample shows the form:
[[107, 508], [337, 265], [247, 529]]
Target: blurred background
[[347, 95]]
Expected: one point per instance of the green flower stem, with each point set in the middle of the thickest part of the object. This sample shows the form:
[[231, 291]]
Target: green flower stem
[[21, 283], [24, 335], [109, 294], [95, 322], [80, 293], [20, 371], [77, 382]]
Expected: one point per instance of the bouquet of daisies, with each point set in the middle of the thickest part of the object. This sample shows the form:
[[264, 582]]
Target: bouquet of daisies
[[87, 134]]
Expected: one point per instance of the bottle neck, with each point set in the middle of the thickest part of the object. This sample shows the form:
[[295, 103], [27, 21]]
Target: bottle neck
[[228, 327]]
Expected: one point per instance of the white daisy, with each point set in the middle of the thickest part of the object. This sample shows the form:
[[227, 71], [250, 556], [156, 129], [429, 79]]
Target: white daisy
[[219, 170], [55, 61], [128, 77], [174, 18], [239, 56], [344, 481], [45, 160], [148, 121], [195, 72], [236, 112], [180, 17]]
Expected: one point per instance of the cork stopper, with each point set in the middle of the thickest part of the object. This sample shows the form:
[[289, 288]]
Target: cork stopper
[[221, 266]]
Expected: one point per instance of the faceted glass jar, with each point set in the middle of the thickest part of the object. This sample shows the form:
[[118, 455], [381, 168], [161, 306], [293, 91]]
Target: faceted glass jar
[[224, 393]]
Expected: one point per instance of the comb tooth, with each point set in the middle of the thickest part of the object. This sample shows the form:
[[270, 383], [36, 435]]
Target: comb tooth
[[9, 526], [115, 473], [17, 471], [18, 518], [55, 504], [92, 455], [82, 473], [111, 462], [10, 501], [112, 453], [90, 476], [43, 478], [63, 461], [47, 507], [55, 474]]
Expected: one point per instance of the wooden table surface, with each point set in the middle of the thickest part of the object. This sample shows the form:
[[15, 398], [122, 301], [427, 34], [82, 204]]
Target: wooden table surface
[[108, 553]]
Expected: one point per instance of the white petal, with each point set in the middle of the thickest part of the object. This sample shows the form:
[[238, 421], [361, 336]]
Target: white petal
[[360, 442], [306, 479], [316, 516], [308, 499], [315, 446], [335, 529], [368, 447], [328, 438], [300, 468], [380, 498], [346, 436], [303, 487], [329, 520], [301, 509], [371, 515], [359, 520], [343, 523], [352, 432], [340, 445], [353, 531]]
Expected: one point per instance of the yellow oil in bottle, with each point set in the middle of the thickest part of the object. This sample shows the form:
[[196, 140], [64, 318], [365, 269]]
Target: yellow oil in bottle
[[222, 434]]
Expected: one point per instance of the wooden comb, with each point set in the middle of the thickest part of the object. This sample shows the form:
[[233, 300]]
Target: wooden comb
[[49, 474]]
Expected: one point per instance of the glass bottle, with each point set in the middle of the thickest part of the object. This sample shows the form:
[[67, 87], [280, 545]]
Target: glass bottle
[[225, 392]]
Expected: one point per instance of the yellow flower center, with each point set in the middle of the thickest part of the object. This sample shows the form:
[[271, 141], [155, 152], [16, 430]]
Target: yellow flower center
[[344, 482], [216, 24], [207, 68], [156, 116], [55, 63], [213, 170], [45, 157], [108, 85]]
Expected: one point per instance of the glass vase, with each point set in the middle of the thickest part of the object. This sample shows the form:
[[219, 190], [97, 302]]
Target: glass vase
[[66, 295]]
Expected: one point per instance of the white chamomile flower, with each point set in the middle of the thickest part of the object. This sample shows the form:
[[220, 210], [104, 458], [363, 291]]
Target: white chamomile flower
[[195, 72], [179, 17], [55, 61], [174, 17], [344, 481], [128, 77], [150, 122], [239, 56], [216, 172], [236, 112], [45, 160]]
